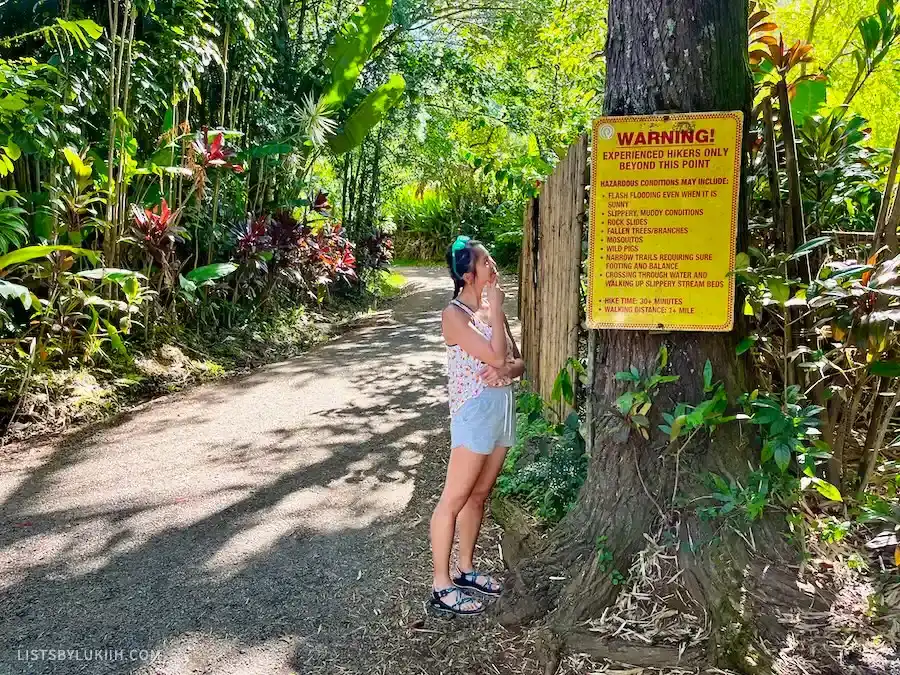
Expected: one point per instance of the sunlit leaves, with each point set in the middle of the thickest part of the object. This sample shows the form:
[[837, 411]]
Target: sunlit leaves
[[368, 114], [352, 47]]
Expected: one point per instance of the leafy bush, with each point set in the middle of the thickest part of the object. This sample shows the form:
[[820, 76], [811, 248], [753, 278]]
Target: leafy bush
[[838, 173], [547, 467], [425, 224], [507, 249], [427, 219]]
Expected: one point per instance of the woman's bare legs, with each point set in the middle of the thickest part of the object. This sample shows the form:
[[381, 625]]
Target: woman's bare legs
[[468, 523], [463, 471]]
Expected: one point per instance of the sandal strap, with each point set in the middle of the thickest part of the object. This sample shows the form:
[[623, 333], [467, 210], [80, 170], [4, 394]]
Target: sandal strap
[[444, 592], [461, 598], [472, 576]]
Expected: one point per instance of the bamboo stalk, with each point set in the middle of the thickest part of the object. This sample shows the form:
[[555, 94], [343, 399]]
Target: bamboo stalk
[[113, 6], [215, 213], [883, 232], [882, 412], [841, 429], [120, 187], [224, 74], [187, 121], [772, 162], [795, 229]]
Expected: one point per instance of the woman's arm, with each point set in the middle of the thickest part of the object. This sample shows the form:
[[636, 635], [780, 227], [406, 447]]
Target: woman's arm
[[457, 331], [510, 369], [517, 365]]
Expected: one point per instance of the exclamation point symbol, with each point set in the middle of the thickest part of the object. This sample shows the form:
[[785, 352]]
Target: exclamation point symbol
[[712, 135]]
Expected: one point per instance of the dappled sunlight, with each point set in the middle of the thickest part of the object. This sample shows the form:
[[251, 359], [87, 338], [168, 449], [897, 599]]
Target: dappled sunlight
[[90, 538], [338, 507], [222, 525], [193, 651]]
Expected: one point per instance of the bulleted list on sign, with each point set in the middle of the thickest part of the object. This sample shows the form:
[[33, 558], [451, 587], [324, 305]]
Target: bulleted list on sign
[[664, 196]]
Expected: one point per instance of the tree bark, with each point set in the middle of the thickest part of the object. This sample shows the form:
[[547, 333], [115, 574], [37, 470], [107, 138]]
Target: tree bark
[[676, 56]]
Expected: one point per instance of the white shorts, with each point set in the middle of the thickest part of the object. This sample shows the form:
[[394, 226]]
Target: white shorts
[[486, 421]]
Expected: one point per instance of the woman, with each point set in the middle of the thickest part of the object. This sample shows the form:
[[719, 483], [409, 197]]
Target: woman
[[482, 363]]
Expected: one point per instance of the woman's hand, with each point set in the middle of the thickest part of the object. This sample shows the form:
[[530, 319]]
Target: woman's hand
[[494, 292], [492, 376], [511, 370]]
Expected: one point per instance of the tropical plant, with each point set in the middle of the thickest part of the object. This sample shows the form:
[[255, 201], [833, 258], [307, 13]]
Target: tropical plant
[[13, 229]]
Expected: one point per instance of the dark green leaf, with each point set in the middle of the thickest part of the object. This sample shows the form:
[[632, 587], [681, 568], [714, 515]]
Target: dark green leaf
[[782, 456], [811, 245], [211, 272], [745, 344], [885, 368]]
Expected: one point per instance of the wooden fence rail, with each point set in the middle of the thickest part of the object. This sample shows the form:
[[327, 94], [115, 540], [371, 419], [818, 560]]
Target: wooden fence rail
[[550, 272]]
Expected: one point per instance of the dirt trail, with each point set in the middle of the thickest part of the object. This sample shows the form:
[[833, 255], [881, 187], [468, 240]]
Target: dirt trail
[[274, 523]]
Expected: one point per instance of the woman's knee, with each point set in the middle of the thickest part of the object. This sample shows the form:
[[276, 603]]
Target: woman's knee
[[479, 497], [450, 504]]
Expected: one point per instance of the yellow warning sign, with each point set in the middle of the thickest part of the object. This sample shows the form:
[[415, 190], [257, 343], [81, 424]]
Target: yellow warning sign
[[663, 226]]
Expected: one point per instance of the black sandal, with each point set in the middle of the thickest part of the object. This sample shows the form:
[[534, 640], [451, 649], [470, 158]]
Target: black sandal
[[438, 604], [470, 580]]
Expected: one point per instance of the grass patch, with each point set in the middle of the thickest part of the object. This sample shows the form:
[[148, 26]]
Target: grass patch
[[390, 284], [409, 262]]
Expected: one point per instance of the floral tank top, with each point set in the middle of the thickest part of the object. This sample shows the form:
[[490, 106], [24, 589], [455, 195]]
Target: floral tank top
[[463, 368]]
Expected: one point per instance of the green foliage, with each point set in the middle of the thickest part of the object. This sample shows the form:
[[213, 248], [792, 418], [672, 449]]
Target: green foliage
[[368, 115], [507, 248], [387, 284], [34, 252], [635, 404], [352, 48], [547, 467], [13, 229], [832, 530], [564, 385], [604, 555], [809, 97], [790, 432], [838, 40], [878, 34], [839, 173], [425, 224], [709, 414], [212, 272], [747, 502]]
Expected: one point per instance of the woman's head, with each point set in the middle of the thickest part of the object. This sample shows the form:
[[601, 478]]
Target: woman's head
[[469, 263]]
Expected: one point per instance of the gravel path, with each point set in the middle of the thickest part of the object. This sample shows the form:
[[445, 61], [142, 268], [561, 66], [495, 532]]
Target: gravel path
[[274, 523]]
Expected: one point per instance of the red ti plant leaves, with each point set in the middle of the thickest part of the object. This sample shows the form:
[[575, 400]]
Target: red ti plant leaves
[[320, 204], [214, 153], [157, 230], [254, 237]]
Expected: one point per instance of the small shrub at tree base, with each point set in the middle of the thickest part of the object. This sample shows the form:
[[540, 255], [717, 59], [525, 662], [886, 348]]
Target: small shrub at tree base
[[547, 467]]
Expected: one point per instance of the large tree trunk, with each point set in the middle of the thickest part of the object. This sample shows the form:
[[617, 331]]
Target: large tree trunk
[[674, 56]]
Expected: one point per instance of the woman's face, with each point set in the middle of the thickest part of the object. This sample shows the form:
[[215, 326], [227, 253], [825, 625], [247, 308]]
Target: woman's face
[[485, 269]]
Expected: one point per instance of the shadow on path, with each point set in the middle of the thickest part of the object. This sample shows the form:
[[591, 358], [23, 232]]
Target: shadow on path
[[272, 523]]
